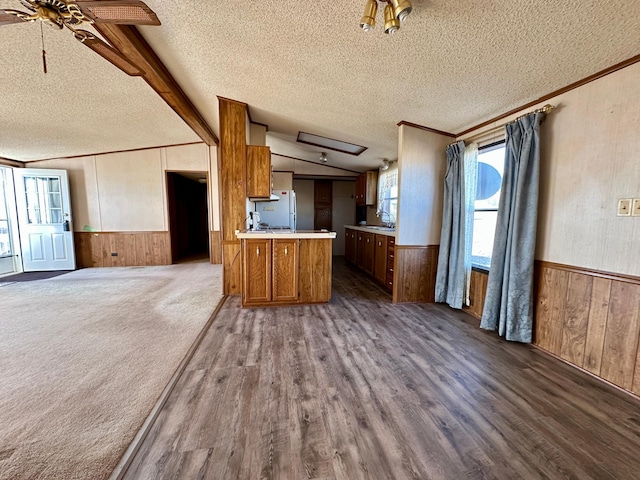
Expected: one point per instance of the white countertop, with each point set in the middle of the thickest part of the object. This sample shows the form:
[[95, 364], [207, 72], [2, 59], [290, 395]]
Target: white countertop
[[285, 233], [373, 229]]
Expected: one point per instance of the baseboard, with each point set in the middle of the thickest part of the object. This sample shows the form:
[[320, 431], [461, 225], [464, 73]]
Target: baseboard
[[123, 465]]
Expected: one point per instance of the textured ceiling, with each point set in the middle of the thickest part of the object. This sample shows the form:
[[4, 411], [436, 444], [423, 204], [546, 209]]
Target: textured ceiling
[[305, 65], [83, 104]]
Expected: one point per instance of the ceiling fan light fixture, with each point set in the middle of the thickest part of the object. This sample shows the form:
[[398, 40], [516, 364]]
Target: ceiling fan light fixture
[[385, 164], [368, 20], [391, 23], [401, 9]]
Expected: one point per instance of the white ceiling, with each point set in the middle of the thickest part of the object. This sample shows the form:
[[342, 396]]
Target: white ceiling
[[305, 65]]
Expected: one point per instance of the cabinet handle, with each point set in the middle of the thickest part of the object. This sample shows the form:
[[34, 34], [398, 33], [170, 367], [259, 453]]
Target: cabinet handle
[[257, 251], [379, 244], [286, 251], [368, 240]]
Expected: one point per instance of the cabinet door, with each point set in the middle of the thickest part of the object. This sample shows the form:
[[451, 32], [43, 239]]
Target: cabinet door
[[322, 218], [369, 252], [285, 270], [323, 192], [258, 171], [350, 245], [257, 271], [381, 258], [370, 194], [360, 249], [361, 181]]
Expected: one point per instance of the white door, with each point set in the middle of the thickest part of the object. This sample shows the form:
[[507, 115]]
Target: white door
[[44, 219]]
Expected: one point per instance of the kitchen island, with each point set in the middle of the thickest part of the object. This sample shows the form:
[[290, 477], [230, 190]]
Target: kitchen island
[[285, 267]]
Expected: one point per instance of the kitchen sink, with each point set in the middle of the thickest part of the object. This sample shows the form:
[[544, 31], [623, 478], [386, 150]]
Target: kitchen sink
[[376, 227]]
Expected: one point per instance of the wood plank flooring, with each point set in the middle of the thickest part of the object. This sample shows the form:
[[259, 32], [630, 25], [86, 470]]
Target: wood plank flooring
[[363, 389]]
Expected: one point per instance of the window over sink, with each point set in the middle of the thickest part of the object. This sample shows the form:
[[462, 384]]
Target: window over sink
[[388, 194]]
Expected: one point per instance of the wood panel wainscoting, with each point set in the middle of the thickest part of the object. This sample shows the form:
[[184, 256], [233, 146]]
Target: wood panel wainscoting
[[232, 265], [588, 318], [215, 247], [95, 249], [415, 274], [477, 292]]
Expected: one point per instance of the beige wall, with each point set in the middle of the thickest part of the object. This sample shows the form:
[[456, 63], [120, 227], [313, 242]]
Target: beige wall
[[304, 204], [299, 167], [590, 158], [282, 181], [343, 211], [421, 167], [126, 191]]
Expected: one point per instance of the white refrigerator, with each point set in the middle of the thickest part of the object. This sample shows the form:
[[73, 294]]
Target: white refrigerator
[[279, 213]]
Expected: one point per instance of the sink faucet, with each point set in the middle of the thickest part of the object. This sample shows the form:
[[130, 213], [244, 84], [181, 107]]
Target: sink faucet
[[389, 223]]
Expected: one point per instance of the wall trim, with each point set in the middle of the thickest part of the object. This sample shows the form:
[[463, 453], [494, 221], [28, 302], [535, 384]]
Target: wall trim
[[7, 162], [620, 277], [555, 93], [428, 129], [118, 151]]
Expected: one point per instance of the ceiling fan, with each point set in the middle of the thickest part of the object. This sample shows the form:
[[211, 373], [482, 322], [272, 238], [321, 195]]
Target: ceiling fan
[[74, 14]]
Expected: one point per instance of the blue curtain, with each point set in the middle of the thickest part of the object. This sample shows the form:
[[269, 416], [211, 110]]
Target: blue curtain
[[508, 305], [454, 258]]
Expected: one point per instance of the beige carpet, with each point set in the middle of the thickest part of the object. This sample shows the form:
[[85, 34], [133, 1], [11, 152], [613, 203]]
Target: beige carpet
[[84, 357]]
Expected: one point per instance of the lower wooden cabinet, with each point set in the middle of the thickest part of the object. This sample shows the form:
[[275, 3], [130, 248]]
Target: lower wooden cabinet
[[373, 253], [285, 271], [256, 256], [369, 252], [350, 245], [284, 282], [380, 271]]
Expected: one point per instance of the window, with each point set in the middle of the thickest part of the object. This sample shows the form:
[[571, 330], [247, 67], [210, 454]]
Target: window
[[488, 187], [388, 194]]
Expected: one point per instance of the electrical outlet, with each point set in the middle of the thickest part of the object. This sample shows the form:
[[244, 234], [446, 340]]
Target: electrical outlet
[[624, 207], [635, 208]]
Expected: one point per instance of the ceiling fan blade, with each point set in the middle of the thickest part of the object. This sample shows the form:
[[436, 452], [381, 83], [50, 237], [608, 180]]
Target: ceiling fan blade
[[127, 12], [108, 53], [7, 18]]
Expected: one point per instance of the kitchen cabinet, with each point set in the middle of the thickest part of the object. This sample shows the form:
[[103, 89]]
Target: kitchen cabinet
[[322, 218], [271, 271], [257, 271], [369, 252], [286, 269], [284, 283], [380, 270], [323, 192], [258, 171], [350, 245], [367, 188], [360, 249], [391, 250]]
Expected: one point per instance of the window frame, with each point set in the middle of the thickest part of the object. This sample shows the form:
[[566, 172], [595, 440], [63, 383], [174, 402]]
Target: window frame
[[495, 145]]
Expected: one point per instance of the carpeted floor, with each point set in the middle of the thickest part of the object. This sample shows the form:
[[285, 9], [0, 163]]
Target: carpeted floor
[[84, 357]]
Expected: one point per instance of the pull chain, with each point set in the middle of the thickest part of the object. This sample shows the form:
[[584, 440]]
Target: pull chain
[[44, 54]]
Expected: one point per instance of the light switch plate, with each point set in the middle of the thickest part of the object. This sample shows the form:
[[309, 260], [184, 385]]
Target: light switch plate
[[635, 208], [624, 207]]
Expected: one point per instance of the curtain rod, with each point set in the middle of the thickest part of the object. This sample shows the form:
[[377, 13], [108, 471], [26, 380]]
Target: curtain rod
[[546, 109]]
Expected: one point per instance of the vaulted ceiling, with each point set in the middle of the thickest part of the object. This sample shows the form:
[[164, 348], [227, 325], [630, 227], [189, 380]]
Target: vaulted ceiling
[[307, 66]]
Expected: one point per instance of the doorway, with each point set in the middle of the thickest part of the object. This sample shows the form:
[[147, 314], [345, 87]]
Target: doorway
[[188, 216], [9, 250]]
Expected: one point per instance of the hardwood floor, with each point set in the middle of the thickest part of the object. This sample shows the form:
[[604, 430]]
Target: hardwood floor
[[364, 389]]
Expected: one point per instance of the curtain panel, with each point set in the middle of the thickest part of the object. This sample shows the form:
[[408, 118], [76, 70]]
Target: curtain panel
[[454, 258], [508, 304]]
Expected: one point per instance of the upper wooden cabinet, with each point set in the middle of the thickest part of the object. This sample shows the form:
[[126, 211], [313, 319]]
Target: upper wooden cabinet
[[323, 192], [258, 171], [367, 188]]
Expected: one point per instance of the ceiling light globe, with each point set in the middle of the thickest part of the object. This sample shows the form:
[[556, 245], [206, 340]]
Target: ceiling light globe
[[391, 23], [368, 20], [401, 9]]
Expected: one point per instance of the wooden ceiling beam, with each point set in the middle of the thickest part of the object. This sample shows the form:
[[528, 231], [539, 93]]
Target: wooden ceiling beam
[[128, 40]]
